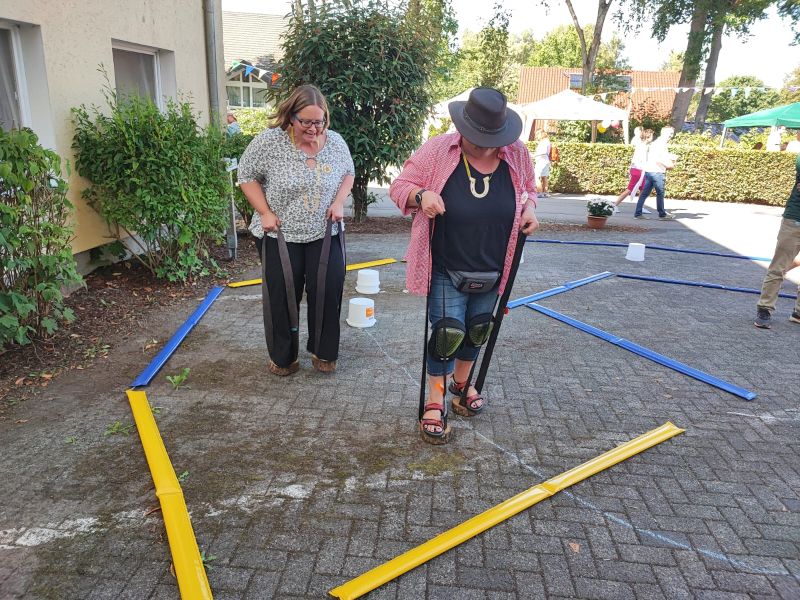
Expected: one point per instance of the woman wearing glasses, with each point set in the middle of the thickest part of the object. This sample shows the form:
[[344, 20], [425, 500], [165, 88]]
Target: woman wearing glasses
[[297, 175]]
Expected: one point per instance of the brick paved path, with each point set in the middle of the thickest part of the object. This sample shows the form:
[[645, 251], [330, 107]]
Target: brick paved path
[[296, 485]]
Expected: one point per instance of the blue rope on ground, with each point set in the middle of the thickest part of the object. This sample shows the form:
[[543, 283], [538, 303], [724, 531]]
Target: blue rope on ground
[[646, 353], [145, 377], [654, 247], [715, 286], [560, 289]]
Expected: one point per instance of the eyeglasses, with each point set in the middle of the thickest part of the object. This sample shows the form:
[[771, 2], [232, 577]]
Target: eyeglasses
[[309, 122]]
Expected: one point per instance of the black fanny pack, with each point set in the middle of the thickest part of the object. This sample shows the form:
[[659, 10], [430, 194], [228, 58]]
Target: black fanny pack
[[473, 282]]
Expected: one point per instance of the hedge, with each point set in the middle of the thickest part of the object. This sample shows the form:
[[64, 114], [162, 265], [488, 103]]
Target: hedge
[[726, 175]]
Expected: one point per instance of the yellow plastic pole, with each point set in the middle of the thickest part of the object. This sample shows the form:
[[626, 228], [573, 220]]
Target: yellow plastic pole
[[353, 267], [374, 263], [355, 588], [236, 284], [192, 579]]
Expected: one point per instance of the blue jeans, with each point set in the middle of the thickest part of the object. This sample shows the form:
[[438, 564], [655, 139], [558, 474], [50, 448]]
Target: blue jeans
[[652, 180], [457, 305]]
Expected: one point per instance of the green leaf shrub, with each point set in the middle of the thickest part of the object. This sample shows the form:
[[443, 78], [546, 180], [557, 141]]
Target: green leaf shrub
[[374, 63], [35, 253], [155, 174], [234, 147], [253, 120], [701, 172]]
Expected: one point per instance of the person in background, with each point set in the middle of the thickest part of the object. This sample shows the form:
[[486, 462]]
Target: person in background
[[541, 158], [659, 160], [774, 138], [470, 193], [297, 175], [641, 142], [794, 145], [787, 252], [233, 124]]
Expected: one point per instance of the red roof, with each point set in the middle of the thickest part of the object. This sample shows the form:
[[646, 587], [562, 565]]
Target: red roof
[[536, 83]]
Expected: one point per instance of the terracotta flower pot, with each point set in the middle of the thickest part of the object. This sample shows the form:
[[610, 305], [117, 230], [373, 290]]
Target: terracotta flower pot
[[596, 222]]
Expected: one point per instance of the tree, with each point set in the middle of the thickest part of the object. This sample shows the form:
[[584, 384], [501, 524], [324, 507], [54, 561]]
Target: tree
[[708, 21], [561, 47], [494, 48], [462, 71], [589, 52], [791, 9], [709, 78], [791, 87], [521, 47], [374, 63], [484, 59], [674, 62], [746, 95]]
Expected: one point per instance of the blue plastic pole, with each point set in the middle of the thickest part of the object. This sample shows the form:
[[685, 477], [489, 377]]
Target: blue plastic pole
[[652, 247], [145, 377], [646, 353], [560, 289], [715, 286]]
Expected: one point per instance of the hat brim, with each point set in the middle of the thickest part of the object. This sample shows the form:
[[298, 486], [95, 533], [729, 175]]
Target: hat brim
[[504, 137]]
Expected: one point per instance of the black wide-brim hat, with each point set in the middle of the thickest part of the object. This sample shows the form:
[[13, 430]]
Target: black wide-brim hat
[[485, 119]]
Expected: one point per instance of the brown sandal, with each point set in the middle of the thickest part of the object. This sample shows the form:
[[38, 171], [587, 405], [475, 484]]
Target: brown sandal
[[323, 366], [469, 409], [435, 437], [283, 371]]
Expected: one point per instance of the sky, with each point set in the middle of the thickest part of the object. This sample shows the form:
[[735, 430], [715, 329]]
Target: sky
[[770, 39]]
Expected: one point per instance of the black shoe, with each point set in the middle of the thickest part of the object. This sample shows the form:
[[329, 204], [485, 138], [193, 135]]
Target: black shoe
[[763, 319], [795, 317]]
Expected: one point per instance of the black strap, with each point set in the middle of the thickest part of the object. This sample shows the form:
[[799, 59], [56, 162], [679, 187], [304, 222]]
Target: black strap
[[322, 274], [497, 320], [422, 381], [291, 300]]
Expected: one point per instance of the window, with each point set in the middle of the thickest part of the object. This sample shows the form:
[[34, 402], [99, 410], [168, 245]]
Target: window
[[575, 81], [246, 91], [136, 73], [11, 92]]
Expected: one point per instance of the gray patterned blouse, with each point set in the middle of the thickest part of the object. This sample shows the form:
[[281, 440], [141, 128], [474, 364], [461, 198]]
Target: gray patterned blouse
[[298, 194]]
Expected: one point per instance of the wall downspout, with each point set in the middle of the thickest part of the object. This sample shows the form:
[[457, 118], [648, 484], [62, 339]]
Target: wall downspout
[[212, 73]]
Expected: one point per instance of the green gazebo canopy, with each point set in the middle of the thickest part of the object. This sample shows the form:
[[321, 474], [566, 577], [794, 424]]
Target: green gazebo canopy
[[787, 115]]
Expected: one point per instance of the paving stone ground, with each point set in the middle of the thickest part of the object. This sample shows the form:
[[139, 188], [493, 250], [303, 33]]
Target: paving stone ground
[[296, 485]]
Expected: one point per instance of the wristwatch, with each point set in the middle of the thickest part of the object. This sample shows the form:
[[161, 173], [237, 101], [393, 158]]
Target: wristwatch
[[418, 196]]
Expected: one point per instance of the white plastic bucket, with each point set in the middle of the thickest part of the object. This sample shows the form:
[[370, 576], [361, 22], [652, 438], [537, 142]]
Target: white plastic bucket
[[368, 282], [635, 252], [361, 312]]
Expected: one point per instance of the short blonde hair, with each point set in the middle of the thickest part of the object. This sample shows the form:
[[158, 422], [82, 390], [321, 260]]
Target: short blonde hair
[[302, 96], [541, 133]]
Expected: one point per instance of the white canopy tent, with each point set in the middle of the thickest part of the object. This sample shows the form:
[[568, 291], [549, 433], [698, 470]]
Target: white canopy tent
[[440, 112], [570, 106]]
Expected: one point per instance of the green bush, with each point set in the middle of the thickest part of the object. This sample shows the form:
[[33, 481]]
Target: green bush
[[701, 173], [253, 120], [234, 147], [155, 174], [374, 62], [35, 253]]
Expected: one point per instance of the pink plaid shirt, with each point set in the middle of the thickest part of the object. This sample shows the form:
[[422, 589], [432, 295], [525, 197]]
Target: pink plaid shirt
[[430, 167]]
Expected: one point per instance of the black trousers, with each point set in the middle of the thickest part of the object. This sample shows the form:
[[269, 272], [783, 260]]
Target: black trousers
[[305, 263]]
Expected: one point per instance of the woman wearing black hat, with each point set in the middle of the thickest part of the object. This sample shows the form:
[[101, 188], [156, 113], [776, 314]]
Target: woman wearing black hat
[[479, 188]]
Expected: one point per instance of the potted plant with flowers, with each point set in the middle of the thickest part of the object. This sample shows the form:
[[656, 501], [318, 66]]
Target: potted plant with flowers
[[599, 211]]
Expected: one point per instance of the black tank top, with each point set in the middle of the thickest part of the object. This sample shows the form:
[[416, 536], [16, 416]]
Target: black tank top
[[473, 233]]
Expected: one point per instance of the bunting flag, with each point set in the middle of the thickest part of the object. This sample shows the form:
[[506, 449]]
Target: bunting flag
[[714, 90], [264, 75]]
